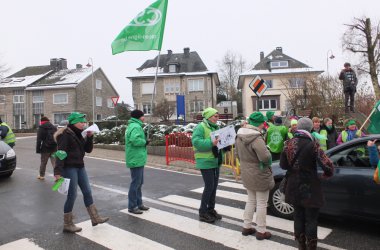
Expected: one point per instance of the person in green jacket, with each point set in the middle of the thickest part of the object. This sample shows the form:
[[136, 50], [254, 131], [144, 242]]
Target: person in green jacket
[[276, 135], [135, 158], [6, 134], [208, 159]]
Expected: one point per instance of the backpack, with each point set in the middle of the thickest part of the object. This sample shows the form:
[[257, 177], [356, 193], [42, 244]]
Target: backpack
[[49, 141]]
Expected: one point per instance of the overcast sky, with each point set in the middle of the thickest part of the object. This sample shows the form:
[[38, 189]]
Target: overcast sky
[[32, 32]]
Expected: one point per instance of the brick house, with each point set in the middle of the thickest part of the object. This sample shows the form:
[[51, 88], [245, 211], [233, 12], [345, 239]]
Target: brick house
[[282, 73], [54, 91], [178, 74]]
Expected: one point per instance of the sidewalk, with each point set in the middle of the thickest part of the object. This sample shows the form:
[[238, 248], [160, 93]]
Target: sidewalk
[[156, 161]]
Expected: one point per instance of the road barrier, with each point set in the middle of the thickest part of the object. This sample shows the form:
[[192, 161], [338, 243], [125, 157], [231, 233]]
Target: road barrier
[[180, 148]]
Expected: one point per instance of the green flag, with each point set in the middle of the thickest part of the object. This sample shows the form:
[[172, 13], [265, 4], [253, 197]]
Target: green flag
[[144, 32], [374, 126]]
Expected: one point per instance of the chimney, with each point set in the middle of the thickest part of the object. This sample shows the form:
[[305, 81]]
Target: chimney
[[79, 66], [186, 51], [53, 63], [170, 52], [261, 55], [279, 49]]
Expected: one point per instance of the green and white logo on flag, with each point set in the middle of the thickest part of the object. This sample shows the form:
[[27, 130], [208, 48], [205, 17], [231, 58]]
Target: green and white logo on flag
[[144, 32]]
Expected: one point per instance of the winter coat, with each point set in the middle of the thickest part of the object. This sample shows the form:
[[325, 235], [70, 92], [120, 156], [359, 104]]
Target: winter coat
[[255, 159], [74, 145], [203, 144], [349, 80], [373, 155], [42, 133], [135, 144], [332, 136], [303, 186]]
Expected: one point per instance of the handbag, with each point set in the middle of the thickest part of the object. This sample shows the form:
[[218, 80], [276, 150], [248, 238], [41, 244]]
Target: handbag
[[284, 181]]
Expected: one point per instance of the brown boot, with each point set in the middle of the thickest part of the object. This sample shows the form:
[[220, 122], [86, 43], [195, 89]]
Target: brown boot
[[69, 226], [95, 218], [311, 244], [301, 242]]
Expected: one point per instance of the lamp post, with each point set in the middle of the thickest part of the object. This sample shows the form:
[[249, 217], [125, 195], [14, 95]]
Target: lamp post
[[93, 91], [327, 60]]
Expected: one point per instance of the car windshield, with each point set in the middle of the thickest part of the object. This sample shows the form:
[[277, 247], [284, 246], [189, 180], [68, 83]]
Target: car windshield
[[356, 155]]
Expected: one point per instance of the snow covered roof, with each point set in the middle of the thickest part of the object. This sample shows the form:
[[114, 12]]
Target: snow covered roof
[[65, 76], [279, 71], [144, 74], [17, 82]]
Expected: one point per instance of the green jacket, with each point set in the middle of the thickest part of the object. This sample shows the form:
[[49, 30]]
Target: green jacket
[[202, 144], [135, 144], [276, 135], [10, 137]]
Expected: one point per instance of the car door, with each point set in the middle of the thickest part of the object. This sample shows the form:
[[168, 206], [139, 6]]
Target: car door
[[352, 191]]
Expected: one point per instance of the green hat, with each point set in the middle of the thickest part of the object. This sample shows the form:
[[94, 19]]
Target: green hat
[[76, 117], [350, 122], [207, 113], [256, 119], [269, 115], [293, 122]]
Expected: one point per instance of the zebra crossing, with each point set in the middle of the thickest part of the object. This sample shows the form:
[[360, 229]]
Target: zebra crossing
[[178, 213]]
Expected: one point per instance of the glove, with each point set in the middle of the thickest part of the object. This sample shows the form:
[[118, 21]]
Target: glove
[[215, 151]]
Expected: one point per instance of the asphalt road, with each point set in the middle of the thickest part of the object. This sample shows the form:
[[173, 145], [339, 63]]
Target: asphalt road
[[31, 215]]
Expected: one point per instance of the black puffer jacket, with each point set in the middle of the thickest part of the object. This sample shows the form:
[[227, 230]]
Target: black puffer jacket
[[74, 145], [42, 133]]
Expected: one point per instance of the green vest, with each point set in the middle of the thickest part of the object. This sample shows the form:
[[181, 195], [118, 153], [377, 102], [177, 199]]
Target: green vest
[[345, 135], [323, 142], [275, 138], [207, 154], [10, 138]]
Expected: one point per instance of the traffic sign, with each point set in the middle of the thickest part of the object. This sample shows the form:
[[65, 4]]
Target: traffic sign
[[115, 99], [258, 86]]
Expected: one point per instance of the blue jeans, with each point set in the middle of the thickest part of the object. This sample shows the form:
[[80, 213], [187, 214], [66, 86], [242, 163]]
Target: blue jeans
[[210, 178], [77, 176], [134, 193]]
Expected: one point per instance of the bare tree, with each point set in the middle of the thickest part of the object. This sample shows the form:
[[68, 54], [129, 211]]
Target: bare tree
[[164, 110], [364, 39]]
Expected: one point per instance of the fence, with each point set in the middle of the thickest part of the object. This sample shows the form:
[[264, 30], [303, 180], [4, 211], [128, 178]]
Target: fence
[[180, 148]]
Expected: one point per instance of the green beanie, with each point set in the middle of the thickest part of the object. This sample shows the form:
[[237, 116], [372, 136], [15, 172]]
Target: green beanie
[[350, 122], [256, 119], [269, 115], [207, 113], [76, 117]]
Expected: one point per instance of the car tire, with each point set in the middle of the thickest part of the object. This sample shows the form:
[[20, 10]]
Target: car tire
[[277, 204]]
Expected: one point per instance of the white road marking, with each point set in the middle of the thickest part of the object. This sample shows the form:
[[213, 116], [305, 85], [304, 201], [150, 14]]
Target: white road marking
[[227, 237], [225, 194], [22, 244], [237, 213], [116, 238], [25, 137], [232, 185]]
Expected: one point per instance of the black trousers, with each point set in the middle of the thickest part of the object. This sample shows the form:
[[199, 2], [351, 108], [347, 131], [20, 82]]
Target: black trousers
[[210, 178], [349, 96], [306, 221]]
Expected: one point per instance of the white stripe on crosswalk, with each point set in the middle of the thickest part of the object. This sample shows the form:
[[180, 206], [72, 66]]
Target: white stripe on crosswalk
[[116, 238], [237, 213], [226, 194], [232, 185], [227, 237], [22, 244]]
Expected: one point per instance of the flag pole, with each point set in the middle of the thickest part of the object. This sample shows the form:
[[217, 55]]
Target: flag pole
[[154, 89], [373, 111]]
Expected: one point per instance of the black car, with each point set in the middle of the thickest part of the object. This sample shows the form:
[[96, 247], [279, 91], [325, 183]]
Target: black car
[[351, 192], [7, 160]]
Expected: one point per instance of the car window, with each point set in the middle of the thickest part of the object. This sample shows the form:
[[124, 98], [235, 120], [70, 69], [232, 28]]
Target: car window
[[354, 156]]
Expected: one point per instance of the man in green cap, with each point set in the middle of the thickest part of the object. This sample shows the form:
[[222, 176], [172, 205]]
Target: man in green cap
[[255, 161], [208, 159], [351, 132], [270, 117], [276, 135], [72, 148]]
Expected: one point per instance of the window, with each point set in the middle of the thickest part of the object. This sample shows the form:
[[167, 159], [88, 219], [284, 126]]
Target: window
[[147, 109], [296, 82], [172, 86], [98, 84], [279, 64], [98, 117], [18, 99], [61, 98], [2, 99], [195, 84], [38, 99], [99, 101], [269, 83], [110, 103], [147, 88], [172, 68], [196, 106], [354, 156], [267, 104], [60, 117]]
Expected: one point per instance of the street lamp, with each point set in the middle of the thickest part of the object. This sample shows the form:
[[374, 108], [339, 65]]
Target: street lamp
[[327, 59], [93, 91]]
